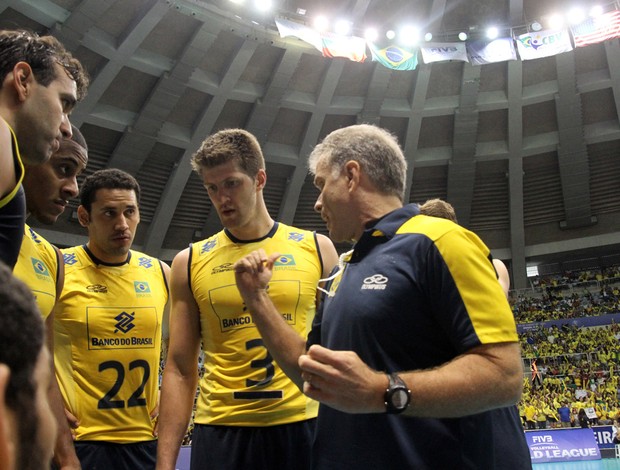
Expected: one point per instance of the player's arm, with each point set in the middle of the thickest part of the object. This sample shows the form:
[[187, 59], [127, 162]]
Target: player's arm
[[502, 275], [7, 165], [329, 256], [181, 369], [485, 377], [64, 451]]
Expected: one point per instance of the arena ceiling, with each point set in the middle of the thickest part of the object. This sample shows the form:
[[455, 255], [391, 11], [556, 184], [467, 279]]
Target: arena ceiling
[[528, 152]]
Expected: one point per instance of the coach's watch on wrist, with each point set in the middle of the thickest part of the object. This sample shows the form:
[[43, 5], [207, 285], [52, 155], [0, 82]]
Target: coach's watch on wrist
[[397, 396]]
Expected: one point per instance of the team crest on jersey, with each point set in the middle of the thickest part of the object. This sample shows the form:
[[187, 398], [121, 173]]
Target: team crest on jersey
[[208, 246], [142, 288], [40, 269], [284, 261], [145, 262], [121, 328], [296, 236], [97, 289], [69, 258]]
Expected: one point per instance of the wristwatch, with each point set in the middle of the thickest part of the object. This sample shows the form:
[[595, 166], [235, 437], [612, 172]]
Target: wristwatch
[[397, 395]]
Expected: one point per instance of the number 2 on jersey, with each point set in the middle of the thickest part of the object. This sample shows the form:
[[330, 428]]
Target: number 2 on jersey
[[135, 399]]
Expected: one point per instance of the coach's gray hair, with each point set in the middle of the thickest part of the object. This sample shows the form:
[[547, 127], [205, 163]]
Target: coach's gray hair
[[375, 149]]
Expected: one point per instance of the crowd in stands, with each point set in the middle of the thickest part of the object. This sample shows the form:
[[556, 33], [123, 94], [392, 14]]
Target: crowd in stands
[[573, 372], [571, 295]]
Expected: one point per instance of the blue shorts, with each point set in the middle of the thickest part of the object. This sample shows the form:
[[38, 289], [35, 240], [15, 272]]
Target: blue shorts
[[282, 447]]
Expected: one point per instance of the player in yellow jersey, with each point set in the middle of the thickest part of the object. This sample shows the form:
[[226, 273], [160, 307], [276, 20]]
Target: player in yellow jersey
[[108, 328], [48, 187], [40, 82], [249, 414]]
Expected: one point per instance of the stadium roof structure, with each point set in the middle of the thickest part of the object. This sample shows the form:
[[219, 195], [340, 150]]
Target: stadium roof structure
[[527, 151]]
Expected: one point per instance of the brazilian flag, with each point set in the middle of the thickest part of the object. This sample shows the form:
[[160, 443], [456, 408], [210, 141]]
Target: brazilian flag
[[394, 57]]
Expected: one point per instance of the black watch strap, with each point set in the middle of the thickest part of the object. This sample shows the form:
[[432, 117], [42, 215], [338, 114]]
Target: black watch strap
[[397, 395]]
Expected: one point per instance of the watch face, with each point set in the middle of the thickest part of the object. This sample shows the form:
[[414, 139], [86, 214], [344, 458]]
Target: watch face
[[399, 398]]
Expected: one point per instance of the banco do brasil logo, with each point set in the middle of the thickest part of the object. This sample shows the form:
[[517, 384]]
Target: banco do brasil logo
[[124, 322]]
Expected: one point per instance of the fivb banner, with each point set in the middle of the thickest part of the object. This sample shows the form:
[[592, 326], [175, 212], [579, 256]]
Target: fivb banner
[[438, 52], [562, 445]]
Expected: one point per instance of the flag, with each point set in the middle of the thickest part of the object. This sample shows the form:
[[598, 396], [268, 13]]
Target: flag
[[599, 29], [543, 44], [437, 52], [394, 57], [290, 28], [488, 51], [349, 47]]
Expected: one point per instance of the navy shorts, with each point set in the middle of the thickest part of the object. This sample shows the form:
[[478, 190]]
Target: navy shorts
[[96, 455], [282, 447]]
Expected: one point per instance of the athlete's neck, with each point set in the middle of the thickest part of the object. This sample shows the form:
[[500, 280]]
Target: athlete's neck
[[257, 228], [106, 258]]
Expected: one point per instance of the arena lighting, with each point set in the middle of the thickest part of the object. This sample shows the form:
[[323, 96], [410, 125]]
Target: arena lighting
[[371, 34], [575, 15], [320, 23], [428, 37], [409, 35], [237, 2], [536, 26], [390, 34], [301, 11], [263, 5], [556, 21], [463, 36], [492, 32], [342, 27], [596, 11]]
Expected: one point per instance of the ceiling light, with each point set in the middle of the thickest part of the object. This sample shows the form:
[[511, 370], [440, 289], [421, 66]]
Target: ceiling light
[[428, 37], [556, 21], [409, 35], [575, 16], [262, 5], [596, 11], [463, 36], [342, 27], [301, 11], [390, 34], [536, 26], [492, 32], [320, 23], [371, 34]]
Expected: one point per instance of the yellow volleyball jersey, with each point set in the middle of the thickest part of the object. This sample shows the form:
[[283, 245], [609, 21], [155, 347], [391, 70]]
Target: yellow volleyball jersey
[[242, 385], [37, 266], [107, 334], [19, 169]]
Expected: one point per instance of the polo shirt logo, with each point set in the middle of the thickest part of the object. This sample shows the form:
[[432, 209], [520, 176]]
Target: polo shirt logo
[[375, 282]]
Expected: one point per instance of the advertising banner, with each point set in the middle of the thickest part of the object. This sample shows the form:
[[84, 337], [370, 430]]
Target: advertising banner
[[604, 436], [562, 445], [184, 458]]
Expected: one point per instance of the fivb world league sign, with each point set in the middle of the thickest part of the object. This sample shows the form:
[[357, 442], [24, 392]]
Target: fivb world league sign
[[562, 445]]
